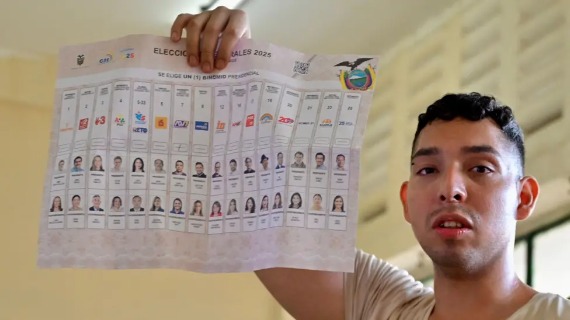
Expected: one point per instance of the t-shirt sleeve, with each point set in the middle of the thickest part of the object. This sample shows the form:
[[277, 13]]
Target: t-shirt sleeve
[[376, 289]]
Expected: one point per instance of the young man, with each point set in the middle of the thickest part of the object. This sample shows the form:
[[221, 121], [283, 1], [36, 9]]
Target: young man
[[465, 193]]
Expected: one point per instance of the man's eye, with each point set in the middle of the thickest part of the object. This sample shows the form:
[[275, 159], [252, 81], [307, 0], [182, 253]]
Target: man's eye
[[426, 171], [481, 169]]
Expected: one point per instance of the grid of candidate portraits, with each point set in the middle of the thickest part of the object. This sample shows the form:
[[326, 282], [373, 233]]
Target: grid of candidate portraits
[[197, 159]]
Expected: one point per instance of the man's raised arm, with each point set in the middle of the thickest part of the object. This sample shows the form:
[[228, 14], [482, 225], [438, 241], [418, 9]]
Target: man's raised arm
[[306, 294]]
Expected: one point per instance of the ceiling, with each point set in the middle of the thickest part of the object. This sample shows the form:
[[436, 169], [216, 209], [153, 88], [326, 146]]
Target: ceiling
[[319, 26]]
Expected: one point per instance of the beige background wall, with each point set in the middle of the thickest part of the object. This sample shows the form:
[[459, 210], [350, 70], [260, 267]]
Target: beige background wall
[[517, 50]]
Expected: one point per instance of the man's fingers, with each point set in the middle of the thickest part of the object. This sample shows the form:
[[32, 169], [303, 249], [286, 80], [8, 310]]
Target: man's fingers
[[203, 33], [216, 24], [194, 27], [235, 29], [178, 26]]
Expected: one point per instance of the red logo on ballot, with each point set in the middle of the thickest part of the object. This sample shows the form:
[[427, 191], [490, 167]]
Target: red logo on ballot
[[250, 120], [83, 123], [284, 119]]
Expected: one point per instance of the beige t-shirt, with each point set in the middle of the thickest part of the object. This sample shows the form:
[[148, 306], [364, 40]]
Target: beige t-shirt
[[377, 290]]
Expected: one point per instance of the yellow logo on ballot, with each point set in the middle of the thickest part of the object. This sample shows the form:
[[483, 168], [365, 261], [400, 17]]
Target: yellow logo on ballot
[[161, 122]]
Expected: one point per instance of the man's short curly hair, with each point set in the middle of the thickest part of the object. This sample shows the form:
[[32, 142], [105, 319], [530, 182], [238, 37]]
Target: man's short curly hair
[[474, 107]]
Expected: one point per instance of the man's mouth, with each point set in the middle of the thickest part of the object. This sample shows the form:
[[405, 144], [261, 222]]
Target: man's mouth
[[452, 221], [451, 224]]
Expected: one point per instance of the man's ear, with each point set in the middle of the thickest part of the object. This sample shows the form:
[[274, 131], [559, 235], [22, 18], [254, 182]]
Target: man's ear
[[404, 199], [528, 195]]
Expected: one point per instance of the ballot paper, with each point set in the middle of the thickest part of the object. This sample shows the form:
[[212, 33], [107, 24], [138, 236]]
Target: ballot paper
[[154, 164]]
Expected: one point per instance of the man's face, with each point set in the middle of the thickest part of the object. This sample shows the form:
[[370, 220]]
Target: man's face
[[280, 159], [179, 166], [265, 163], [77, 163], [117, 163], [217, 167], [158, 165], [340, 161], [137, 202], [248, 163], [96, 202], [298, 158], [233, 166], [177, 204], [199, 168], [320, 160], [473, 178]]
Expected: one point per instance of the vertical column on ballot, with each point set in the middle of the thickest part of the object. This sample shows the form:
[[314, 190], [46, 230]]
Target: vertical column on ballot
[[284, 125], [159, 162], [219, 206], [180, 165], [233, 162], [82, 161], [298, 160], [58, 200], [320, 160], [339, 196], [200, 159], [248, 156], [98, 168], [119, 163], [139, 159], [269, 103]]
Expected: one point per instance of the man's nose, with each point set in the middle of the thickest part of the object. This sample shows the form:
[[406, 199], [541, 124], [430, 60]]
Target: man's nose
[[452, 186]]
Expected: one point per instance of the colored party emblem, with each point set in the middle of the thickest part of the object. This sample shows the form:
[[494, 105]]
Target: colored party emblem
[[355, 78], [249, 121], [201, 125], [161, 122], [266, 118]]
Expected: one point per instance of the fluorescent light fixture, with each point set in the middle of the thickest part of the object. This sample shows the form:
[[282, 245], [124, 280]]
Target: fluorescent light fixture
[[230, 4]]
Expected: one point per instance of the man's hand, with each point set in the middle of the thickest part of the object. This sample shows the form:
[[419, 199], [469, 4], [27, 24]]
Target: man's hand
[[203, 31]]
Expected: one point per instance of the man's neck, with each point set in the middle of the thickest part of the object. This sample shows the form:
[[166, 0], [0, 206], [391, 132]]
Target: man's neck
[[495, 293]]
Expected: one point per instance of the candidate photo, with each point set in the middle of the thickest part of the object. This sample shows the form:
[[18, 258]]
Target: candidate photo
[[116, 204], [96, 203], [298, 162], [157, 205], [97, 164], [177, 207], [137, 202], [199, 170], [138, 165]]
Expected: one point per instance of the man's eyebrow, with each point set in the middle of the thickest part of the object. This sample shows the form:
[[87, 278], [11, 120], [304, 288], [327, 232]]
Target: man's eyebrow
[[481, 149], [432, 151], [424, 152]]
